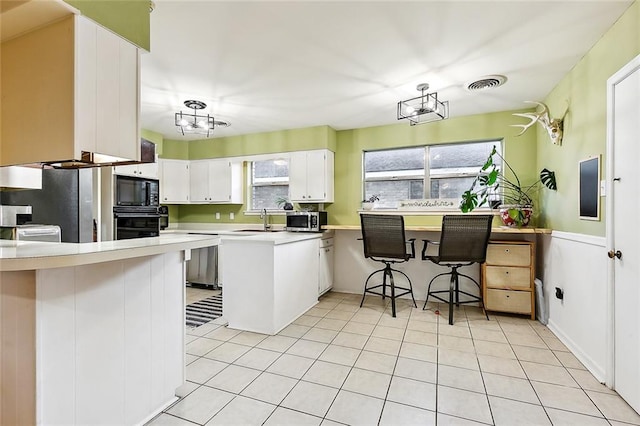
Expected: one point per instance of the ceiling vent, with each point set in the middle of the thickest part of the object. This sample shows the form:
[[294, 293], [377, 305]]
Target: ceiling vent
[[487, 82]]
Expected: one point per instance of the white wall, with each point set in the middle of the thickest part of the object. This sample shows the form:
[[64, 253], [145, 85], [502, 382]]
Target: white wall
[[577, 264]]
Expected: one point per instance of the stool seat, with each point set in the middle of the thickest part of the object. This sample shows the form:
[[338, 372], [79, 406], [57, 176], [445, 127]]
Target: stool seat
[[463, 242], [384, 241]]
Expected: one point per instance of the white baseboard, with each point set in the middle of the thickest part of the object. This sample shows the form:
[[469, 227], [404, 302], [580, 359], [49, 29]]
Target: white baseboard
[[597, 371]]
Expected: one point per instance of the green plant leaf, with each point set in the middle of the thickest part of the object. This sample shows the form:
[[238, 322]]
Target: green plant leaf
[[469, 201], [493, 177], [548, 179]]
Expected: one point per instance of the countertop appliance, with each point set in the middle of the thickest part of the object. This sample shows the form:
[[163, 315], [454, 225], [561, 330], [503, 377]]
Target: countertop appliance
[[305, 221], [11, 216], [66, 199], [164, 217], [49, 233]]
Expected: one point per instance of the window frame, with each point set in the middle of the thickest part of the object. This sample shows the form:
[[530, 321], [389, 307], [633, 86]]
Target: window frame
[[427, 176], [274, 182]]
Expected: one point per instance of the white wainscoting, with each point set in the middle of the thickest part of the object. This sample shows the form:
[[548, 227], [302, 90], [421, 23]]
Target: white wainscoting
[[577, 264], [110, 340]]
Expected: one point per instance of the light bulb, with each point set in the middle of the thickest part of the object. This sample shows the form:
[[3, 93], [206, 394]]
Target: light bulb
[[410, 110], [202, 124], [183, 122]]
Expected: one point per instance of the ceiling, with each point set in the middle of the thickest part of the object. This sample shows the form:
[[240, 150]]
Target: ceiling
[[267, 65]]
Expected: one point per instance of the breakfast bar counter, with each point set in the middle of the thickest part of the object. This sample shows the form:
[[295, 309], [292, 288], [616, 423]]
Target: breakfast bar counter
[[92, 333]]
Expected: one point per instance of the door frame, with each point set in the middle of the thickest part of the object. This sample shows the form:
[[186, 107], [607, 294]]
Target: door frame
[[612, 81]]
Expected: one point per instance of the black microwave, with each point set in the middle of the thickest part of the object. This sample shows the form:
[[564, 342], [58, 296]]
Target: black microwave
[[135, 191]]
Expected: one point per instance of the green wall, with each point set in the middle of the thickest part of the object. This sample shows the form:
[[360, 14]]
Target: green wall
[[348, 145], [520, 152], [584, 90], [129, 18]]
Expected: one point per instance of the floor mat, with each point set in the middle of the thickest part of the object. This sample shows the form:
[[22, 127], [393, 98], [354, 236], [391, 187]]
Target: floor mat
[[203, 311]]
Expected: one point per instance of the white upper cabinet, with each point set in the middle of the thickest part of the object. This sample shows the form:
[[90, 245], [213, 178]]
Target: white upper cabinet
[[311, 176], [144, 170], [216, 181], [68, 89], [174, 181], [20, 177]]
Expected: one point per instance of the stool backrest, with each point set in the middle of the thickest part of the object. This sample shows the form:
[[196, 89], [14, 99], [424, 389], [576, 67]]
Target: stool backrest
[[383, 236], [464, 238]]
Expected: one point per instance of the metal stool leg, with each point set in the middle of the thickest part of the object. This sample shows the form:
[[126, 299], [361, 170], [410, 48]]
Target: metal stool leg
[[393, 293]]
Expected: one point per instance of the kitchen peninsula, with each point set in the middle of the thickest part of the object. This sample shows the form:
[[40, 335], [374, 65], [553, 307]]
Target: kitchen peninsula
[[92, 333]]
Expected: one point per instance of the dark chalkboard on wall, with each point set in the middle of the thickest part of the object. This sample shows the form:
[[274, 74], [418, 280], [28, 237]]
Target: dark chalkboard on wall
[[590, 188]]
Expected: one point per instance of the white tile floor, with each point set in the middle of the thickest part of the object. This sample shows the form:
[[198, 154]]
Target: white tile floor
[[341, 364]]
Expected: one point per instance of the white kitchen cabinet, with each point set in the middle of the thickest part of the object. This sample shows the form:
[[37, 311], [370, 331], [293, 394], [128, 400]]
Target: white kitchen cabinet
[[81, 81], [278, 287], [325, 281], [311, 176], [21, 177], [216, 181], [174, 181], [144, 170]]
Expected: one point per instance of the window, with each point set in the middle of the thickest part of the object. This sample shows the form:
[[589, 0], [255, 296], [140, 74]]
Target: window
[[269, 181], [436, 171]]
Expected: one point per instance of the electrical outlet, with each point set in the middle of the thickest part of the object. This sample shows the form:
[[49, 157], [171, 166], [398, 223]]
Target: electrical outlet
[[217, 215], [232, 216]]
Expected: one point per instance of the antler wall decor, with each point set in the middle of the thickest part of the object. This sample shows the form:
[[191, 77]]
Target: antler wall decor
[[553, 126]]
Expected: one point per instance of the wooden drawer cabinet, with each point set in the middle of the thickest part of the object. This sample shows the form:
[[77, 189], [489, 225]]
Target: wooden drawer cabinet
[[508, 277]]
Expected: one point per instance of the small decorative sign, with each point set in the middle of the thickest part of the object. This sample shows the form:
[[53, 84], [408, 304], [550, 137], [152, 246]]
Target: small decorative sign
[[430, 204]]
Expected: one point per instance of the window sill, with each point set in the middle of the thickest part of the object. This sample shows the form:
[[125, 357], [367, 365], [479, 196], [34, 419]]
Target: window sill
[[269, 212], [427, 212]]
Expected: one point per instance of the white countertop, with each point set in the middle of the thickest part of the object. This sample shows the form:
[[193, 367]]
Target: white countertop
[[30, 255], [247, 234]]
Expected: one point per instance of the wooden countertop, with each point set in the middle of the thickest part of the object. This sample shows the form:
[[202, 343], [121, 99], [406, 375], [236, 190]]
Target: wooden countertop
[[437, 228]]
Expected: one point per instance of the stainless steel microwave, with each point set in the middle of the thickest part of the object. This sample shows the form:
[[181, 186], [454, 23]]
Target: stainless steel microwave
[[306, 221]]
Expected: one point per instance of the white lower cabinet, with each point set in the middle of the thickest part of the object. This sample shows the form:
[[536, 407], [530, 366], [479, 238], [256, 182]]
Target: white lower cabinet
[[174, 181], [325, 279]]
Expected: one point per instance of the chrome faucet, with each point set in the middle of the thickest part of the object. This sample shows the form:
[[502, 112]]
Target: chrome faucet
[[265, 219]]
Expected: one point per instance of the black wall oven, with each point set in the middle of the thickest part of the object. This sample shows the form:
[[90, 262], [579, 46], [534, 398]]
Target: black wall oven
[[136, 208], [135, 222]]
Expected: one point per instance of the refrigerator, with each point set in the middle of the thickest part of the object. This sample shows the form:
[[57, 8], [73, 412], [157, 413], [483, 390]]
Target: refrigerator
[[66, 199]]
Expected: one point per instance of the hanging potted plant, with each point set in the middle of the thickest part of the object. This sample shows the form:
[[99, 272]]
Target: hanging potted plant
[[492, 187]]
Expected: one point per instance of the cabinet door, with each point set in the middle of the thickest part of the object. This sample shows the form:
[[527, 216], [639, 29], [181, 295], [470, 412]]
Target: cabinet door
[[298, 176], [220, 180], [325, 281], [117, 96], [128, 170], [174, 182], [316, 175], [149, 170], [199, 182]]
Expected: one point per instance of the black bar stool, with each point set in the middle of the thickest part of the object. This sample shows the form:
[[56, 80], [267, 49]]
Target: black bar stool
[[384, 241], [463, 242]]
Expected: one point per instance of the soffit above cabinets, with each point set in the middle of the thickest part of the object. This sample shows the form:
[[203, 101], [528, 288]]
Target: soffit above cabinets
[[19, 17]]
